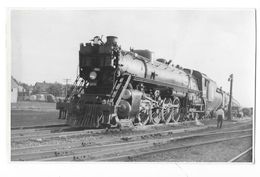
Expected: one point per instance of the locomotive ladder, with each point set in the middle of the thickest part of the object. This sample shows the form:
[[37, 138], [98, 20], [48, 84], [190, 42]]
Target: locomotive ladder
[[77, 85], [119, 88]]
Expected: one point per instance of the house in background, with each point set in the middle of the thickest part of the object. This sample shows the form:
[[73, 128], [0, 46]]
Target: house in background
[[42, 87], [18, 92], [14, 90], [21, 93]]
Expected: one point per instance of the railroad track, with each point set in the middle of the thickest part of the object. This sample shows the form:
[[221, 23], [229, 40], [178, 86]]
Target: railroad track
[[109, 152], [80, 143], [52, 133], [63, 142], [132, 156], [37, 126], [58, 133], [23, 131], [241, 155]]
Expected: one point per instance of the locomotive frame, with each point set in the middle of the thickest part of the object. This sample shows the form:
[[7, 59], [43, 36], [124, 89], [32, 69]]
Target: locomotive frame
[[114, 85]]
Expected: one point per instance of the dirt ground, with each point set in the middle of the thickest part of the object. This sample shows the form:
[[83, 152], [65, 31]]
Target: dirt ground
[[35, 114], [216, 152]]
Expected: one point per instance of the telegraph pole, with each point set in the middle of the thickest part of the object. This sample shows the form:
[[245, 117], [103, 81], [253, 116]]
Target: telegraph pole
[[230, 79], [66, 89]]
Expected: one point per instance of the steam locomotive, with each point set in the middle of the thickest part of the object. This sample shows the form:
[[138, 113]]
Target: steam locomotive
[[115, 85]]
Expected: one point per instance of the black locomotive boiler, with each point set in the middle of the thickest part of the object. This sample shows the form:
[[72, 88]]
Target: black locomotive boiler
[[115, 85]]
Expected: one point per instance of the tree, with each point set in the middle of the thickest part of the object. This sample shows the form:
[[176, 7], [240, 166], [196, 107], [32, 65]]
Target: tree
[[36, 90], [55, 89]]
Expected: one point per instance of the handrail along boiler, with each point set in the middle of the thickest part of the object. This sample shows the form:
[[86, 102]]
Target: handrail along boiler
[[114, 84]]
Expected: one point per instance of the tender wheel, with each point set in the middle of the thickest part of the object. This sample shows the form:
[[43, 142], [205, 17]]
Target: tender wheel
[[167, 110]]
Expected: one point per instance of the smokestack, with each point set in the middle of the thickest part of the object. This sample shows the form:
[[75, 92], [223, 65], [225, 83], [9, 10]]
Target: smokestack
[[112, 40]]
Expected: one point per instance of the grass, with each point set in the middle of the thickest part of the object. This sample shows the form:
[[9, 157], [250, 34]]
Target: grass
[[34, 113], [27, 105]]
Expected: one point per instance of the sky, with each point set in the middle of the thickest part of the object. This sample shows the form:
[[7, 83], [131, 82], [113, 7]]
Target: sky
[[45, 43]]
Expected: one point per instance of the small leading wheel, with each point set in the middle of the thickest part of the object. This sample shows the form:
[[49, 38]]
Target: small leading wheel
[[167, 110]]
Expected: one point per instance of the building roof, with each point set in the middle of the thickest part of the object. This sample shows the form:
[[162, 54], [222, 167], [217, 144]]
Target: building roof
[[14, 83]]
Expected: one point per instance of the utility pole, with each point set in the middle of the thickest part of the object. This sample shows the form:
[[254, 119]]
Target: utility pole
[[230, 79], [66, 89]]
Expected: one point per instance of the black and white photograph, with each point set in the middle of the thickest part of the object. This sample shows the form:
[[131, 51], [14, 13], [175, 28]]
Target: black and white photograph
[[132, 85]]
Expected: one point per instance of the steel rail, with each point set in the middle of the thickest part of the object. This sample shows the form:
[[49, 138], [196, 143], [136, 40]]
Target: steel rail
[[57, 135], [23, 133], [78, 150], [21, 137], [41, 130], [37, 126], [38, 129], [240, 155], [58, 154], [88, 154], [132, 156], [150, 143], [80, 142], [125, 138], [100, 131], [75, 133], [181, 131], [43, 147]]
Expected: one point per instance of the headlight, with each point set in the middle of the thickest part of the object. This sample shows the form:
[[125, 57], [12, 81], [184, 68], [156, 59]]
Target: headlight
[[92, 75]]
